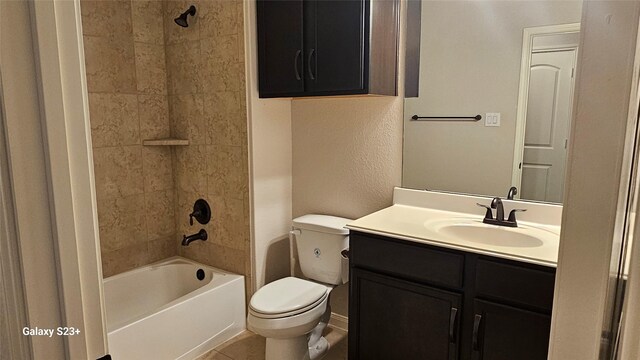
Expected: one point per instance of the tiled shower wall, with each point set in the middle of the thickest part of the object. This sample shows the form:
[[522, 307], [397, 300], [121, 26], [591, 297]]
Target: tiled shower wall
[[205, 66], [126, 79], [149, 78]]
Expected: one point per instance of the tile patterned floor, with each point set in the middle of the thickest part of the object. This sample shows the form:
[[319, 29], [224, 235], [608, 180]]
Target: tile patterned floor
[[249, 346]]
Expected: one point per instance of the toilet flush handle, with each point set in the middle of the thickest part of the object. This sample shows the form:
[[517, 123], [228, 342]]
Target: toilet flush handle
[[295, 232]]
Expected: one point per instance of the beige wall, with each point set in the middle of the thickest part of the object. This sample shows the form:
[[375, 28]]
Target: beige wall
[[347, 154], [595, 161], [467, 69]]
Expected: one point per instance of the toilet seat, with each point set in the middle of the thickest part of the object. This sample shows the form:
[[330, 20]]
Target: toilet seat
[[258, 314], [287, 297]]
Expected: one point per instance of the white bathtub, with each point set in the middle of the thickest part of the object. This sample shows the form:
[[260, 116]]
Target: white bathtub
[[162, 311]]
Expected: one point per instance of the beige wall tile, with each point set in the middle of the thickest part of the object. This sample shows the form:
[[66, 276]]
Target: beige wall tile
[[154, 116], [146, 17], [106, 18], [221, 69], [197, 251], [184, 70], [220, 50], [131, 257], [157, 168], [159, 207], [114, 119], [240, 26], [162, 248], [118, 171], [218, 17], [187, 119], [227, 226], [225, 171], [184, 207], [151, 73], [226, 119], [110, 64], [121, 221], [191, 169], [222, 78], [227, 258], [173, 33]]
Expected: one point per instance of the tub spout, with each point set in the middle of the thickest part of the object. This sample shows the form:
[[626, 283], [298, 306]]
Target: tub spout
[[200, 235]]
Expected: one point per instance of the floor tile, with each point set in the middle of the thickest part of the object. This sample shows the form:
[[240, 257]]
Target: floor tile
[[250, 346], [214, 355], [246, 346]]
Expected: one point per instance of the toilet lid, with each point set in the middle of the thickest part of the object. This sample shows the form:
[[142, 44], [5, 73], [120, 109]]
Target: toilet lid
[[286, 295]]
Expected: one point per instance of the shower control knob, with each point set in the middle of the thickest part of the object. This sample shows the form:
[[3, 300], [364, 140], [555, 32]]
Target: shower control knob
[[201, 212]]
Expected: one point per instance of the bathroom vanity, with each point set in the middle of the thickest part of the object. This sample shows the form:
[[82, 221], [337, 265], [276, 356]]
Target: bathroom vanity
[[418, 292]]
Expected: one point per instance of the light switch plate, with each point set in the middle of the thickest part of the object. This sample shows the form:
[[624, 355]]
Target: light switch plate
[[492, 119]]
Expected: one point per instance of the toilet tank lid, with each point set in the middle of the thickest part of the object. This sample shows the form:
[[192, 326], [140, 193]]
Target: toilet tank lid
[[322, 223]]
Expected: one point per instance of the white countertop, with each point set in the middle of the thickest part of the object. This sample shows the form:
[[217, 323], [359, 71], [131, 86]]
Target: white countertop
[[413, 223]]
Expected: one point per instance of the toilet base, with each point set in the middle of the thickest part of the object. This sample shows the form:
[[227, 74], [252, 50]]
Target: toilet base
[[289, 348], [317, 350]]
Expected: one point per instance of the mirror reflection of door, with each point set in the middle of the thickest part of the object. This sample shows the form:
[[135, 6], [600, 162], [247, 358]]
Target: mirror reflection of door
[[548, 116]]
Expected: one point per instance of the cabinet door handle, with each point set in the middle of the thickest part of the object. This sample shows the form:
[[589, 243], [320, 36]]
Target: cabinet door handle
[[453, 328], [311, 75], [295, 64], [476, 329]]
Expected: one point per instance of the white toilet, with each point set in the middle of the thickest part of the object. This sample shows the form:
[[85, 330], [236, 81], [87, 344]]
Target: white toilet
[[292, 312]]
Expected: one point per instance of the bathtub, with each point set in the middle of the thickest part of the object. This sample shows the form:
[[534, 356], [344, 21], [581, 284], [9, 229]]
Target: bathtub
[[163, 311]]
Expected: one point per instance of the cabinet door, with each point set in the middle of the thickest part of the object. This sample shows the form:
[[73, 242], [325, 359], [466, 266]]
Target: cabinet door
[[280, 47], [396, 319], [335, 46], [502, 332]]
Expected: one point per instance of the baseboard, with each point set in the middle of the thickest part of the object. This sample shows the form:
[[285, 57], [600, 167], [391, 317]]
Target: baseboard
[[339, 322]]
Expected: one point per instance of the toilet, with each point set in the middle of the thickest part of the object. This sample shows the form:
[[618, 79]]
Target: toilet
[[291, 313]]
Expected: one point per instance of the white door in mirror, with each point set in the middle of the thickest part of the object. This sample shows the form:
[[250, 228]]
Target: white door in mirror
[[547, 125]]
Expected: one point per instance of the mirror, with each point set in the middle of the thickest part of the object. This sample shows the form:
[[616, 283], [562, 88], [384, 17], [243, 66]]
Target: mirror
[[510, 62]]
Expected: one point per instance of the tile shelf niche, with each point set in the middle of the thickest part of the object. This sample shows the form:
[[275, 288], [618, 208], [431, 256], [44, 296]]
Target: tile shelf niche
[[166, 142]]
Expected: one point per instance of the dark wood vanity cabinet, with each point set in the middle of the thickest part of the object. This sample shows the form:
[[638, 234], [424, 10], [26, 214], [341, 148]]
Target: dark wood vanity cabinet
[[399, 319], [327, 47], [414, 301]]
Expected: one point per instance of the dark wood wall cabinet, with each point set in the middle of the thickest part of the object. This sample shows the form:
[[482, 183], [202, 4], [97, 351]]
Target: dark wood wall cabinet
[[327, 47], [414, 301]]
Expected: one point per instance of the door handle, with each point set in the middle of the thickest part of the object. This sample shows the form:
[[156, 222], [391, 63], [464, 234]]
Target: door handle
[[295, 64], [311, 75], [453, 328], [476, 329]]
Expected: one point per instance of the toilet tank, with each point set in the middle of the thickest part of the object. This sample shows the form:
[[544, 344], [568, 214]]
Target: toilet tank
[[319, 240]]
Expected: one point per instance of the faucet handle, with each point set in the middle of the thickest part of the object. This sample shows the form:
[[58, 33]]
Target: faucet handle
[[512, 214], [489, 213]]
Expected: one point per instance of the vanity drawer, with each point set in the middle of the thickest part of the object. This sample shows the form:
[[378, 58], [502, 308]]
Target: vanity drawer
[[410, 261], [518, 284]]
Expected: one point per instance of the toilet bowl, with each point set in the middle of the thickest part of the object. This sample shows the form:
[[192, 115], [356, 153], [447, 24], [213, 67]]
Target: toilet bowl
[[285, 313], [291, 313]]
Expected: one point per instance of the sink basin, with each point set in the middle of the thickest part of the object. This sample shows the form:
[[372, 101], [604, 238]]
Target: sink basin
[[477, 232]]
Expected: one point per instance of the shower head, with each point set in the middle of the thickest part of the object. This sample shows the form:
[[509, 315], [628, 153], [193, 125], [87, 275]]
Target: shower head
[[182, 19]]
